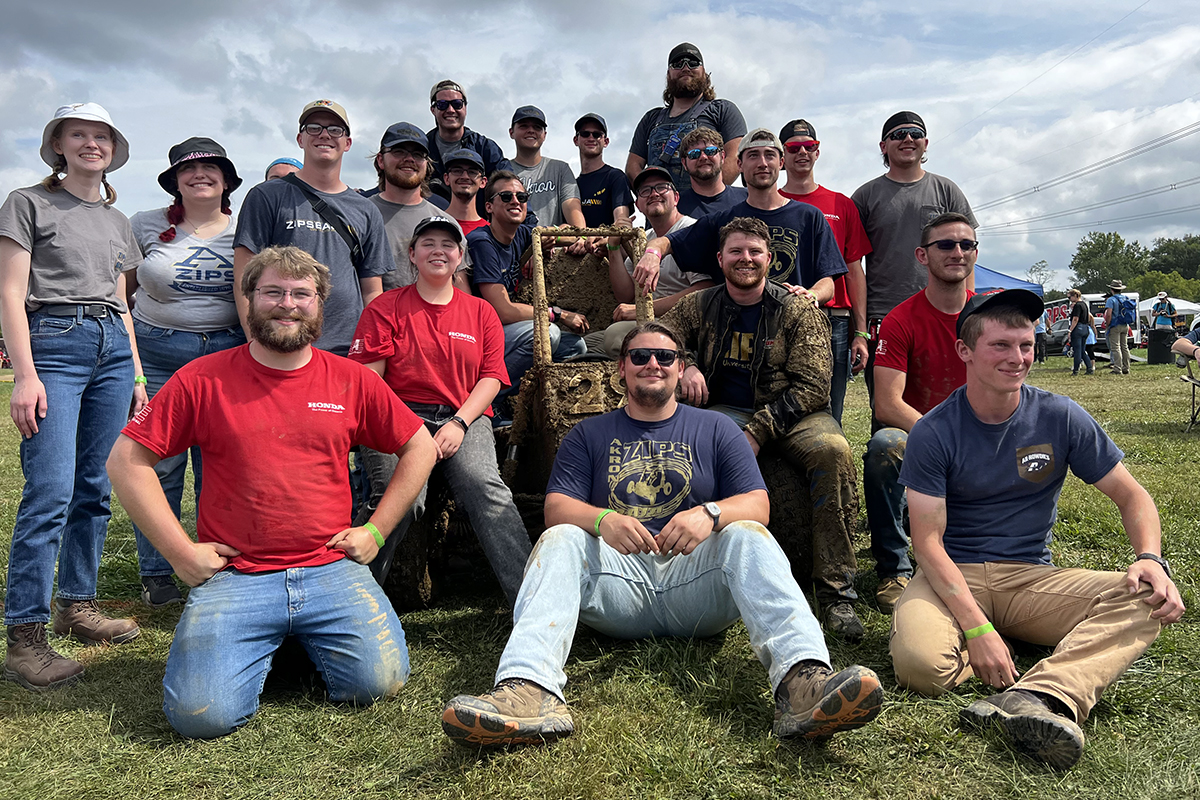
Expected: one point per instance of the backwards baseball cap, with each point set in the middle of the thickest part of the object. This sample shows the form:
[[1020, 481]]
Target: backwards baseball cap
[[446, 85], [685, 49], [528, 112], [401, 133], [446, 223], [196, 149], [463, 154], [797, 127], [596, 118], [759, 137], [325, 105], [91, 112], [642, 176], [902, 118], [1022, 300]]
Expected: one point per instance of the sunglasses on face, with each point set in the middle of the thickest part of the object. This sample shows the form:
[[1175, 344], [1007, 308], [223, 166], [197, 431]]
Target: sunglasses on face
[[457, 104], [507, 197], [640, 356], [967, 245], [796, 147], [686, 62], [900, 134], [590, 134], [314, 129], [710, 151]]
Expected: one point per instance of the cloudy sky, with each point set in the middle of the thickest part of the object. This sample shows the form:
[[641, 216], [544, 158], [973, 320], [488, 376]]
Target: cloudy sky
[[1015, 93]]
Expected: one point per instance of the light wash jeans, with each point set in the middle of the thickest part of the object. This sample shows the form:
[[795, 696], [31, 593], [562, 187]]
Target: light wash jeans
[[887, 508], [1079, 338], [234, 622], [575, 577], [86, 365]]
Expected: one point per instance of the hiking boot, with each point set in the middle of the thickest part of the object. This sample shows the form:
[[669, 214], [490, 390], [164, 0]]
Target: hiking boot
[[160, 591], [517, 711], [33, 663], [1029, 725], [814, 703], [888, 592], [84, 620], [839, 619]]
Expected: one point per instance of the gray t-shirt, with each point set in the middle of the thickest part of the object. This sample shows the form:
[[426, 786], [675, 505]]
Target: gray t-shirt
[[77, 248], [549, 184], [671, 279], [277, 213], [893, 215], [399, 221], [185, 284]]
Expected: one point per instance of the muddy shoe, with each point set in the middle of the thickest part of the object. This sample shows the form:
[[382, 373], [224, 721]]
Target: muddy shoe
[[839, 619], [84, 620], [33, 663], [1029, 724], [160, 591], [889, 591], [517, 711], [815, 703]]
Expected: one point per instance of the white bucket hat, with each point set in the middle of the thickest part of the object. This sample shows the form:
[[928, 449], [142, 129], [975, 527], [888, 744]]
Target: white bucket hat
[[92, 112]]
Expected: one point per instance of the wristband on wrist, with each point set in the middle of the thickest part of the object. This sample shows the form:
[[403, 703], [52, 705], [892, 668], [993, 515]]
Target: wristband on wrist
[[613, 247], [370, 526], [462, 423], [603, 514], [863, 334], [975, 633], [653, 252], [139, 380]]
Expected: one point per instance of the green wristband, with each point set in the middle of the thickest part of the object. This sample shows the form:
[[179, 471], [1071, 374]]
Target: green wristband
[[603, 514], [612, 248], [374, 532], [975, 633], [139, 380], [863, 334]]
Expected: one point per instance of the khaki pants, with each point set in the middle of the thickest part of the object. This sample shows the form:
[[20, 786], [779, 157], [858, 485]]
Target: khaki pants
[[1097, 628]]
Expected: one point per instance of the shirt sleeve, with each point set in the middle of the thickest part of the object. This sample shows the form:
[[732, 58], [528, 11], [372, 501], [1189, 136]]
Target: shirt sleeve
[[255, 222], [377, 251], [857, 243], [567, 187], [488, 267], [729, 120], [895, 342], [1093, 454], [640, 146], [167, 424], [618, 186], [695, 247], [573, 470], [828, 260], [492, 364], [385, 423], [926, 467], [957, 201], [16, 220], [737, 468], [375, 335]]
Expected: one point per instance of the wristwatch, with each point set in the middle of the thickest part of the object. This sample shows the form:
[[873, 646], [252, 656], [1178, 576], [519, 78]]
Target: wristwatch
[[1162, 562], [714, 511]]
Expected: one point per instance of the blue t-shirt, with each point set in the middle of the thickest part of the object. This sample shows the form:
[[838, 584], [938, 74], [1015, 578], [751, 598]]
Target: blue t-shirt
[[1113, 304], [731, 384], [1001, 482], [697, 205], [495, 262], [803, 249], [601, 192], [653, 470]]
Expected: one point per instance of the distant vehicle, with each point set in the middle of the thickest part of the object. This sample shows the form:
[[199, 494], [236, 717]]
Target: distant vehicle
[[1057, 337], [1061, 309]]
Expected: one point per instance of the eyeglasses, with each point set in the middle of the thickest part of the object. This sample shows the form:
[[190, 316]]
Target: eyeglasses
[[710, 151], [507, 197], [590, 134], [967, 245], [401, 153], [640, 356], [457, 104], [687, 62], [900, 134], [302, 297], [796, 147], [458, 172], [314, 129], [660, 189]]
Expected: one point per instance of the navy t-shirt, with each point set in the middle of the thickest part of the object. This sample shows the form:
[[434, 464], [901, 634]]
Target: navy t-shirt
[[495, 262], [697, 205], [803, 249], [1001, 482], [601, 192], [731, 385], [653, 470]]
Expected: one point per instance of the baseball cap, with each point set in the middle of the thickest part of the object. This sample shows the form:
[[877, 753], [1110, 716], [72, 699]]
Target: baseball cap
[[641, 177], [445, 85], [902, 118], [759, 137], [439, 221], [92, 112], [197, 148], [685, 49], [325, 105], [797, 127], [528, 112], [400, 133], [284, 160], [596, 118], [463, 154], [1023, 300]]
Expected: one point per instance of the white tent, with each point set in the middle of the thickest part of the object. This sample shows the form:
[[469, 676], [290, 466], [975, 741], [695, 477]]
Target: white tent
[[1181, 306]]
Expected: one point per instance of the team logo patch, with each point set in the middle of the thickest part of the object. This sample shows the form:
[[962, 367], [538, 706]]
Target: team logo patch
[[1035, 463], [328, 408], [646, 479], [356, 347]]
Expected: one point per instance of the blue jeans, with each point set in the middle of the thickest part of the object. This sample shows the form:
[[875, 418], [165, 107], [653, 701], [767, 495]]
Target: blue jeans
[[163, 351], [1079, 338], [518, 350], [86, 366], [887, 508], [234, 622], [840, 341], [575, 577]]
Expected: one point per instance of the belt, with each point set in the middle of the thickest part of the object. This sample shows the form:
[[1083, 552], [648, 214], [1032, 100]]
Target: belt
[[838, 312], [97, 310]]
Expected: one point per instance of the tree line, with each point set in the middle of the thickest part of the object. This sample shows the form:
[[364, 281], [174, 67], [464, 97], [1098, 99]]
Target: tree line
[[1170, 265]]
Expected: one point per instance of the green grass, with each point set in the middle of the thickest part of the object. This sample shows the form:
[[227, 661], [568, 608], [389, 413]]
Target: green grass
[[655, 719]]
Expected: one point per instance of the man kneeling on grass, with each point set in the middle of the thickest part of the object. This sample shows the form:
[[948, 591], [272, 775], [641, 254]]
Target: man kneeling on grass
[[983, 472], [656, 516], [275, 421]]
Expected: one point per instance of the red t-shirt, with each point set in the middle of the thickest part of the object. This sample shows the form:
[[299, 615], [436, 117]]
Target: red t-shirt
[[918, 340], [434, 354], [467, 227], [842, 216], [275, 445]]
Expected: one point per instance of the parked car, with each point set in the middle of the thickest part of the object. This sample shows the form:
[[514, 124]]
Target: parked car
[[1057, 337]]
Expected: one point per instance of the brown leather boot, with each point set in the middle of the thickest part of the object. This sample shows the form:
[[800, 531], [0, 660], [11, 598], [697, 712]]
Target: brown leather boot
[[33, 663], [84, 620]]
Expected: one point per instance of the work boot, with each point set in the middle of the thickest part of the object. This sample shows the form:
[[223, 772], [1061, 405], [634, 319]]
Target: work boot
[[838, 618], [84, 620], [814, 703], [160, 591], [887, 594], [33, 663], [517, 711], [1029, 725]]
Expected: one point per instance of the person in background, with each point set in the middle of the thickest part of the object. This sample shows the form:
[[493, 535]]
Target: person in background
[[603, 189], [465, 178], [1039, 333], [703, 160], [1116, 326], [1162, 313], [282, 166], [448, 104], [1083, 325]]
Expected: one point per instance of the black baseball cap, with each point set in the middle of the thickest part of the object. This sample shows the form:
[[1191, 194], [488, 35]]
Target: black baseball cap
[[528, 112], [685, 49], [463, 154], [438, 222], [1023, 300], [401, 133], [797, 127], [902, 118], [647, 172]]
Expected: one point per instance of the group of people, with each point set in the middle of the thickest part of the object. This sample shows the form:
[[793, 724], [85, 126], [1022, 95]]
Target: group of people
[[325, 320]]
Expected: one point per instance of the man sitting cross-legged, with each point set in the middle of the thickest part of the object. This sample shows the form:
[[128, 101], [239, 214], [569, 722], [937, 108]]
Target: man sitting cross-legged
[[656, 517]]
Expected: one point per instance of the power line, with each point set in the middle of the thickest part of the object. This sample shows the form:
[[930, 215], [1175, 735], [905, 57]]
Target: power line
[[1097, 223], [1170, 187]]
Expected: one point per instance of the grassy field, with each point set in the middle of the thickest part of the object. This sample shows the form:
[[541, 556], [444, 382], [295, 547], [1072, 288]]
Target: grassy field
[[655, 719]]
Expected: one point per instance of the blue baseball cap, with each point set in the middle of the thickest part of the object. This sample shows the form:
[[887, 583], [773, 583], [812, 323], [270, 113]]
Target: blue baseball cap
[[463, 154], [285, 160], [403, 132], [596, 118]]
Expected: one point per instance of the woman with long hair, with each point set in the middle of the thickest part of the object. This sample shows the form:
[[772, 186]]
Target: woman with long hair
[[183, 307], [63, 251]]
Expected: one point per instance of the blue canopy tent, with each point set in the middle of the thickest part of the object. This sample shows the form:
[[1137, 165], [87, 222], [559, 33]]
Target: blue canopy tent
[[987, 280]]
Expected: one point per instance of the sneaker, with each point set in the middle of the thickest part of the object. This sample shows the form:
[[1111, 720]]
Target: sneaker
[[517, 711], [888, 592], [815, 703], [33, 663], [839, 619], [1030, 726], [84, 620], [159, 591]]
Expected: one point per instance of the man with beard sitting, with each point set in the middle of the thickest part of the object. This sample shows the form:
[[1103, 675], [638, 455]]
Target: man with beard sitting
[[275, 420]]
